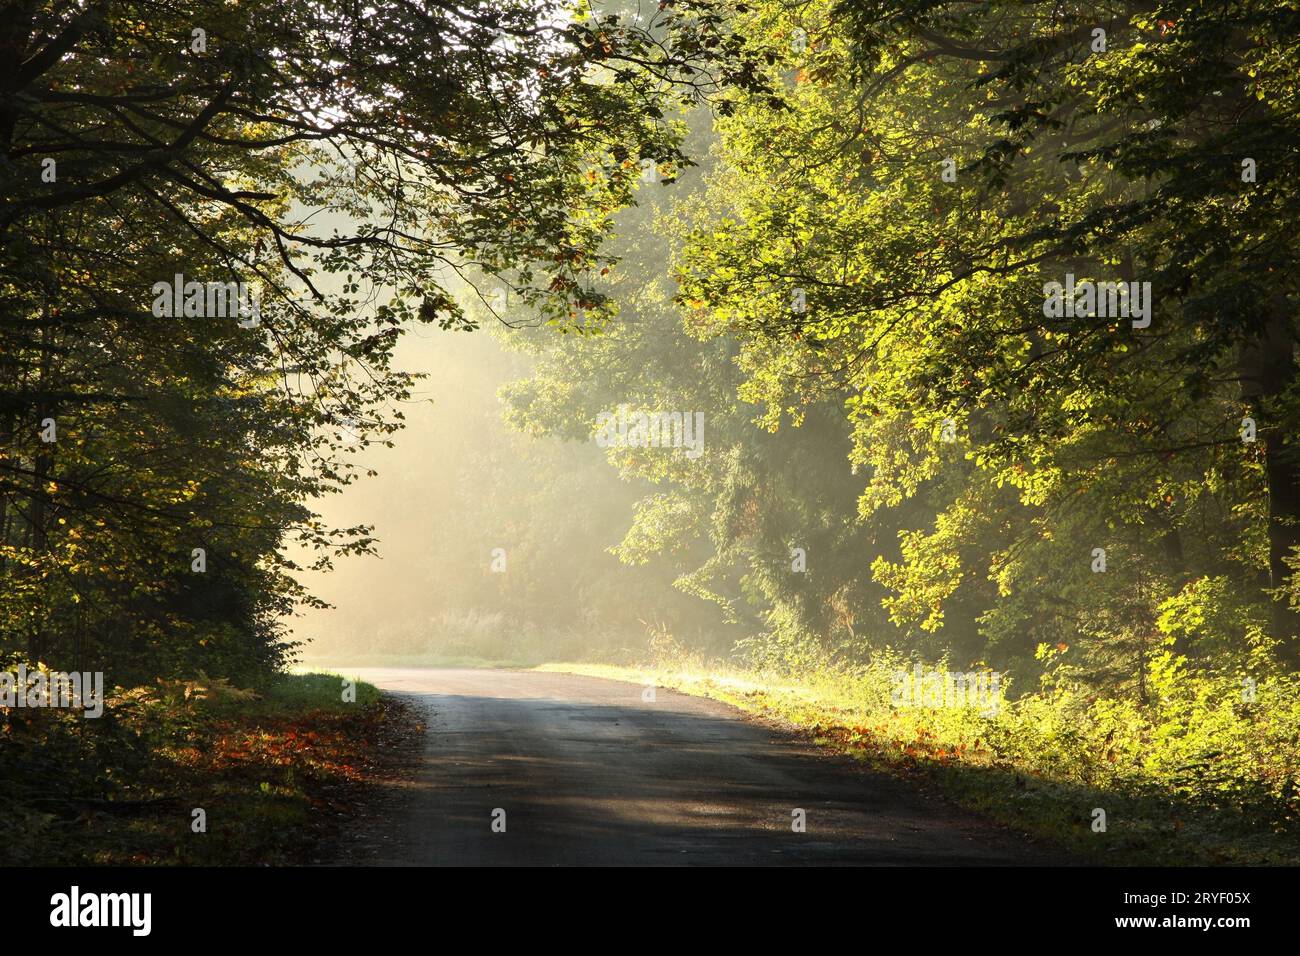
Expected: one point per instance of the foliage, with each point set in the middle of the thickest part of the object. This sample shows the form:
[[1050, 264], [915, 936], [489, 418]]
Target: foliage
[[345, 163], [270, 767]]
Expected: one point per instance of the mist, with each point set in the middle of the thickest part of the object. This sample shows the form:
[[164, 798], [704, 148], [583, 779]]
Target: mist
[[492, 545]]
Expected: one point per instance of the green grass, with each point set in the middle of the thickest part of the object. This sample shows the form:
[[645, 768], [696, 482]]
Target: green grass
[[313, 690]]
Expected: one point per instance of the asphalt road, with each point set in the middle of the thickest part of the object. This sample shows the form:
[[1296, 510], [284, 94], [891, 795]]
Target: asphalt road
[[589, 773]]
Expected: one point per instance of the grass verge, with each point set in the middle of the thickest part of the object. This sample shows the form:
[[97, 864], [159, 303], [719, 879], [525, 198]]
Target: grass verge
[[275, 771]]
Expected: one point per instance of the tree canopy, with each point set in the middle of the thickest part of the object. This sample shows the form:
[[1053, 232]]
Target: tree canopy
[[178, 382], [988, 309]]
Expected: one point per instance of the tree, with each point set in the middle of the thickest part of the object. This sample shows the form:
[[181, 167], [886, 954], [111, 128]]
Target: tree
[[269, 147], [933, 169]]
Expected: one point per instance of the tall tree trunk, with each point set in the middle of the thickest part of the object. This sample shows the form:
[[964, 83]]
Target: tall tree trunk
[[1271, 369], [43, 465], [6, 441]]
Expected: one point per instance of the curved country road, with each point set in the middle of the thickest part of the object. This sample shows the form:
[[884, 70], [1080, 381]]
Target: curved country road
[[589, 773]]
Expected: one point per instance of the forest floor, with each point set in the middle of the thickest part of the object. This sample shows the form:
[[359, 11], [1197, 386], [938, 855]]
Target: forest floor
[[292, 773], [199, 773]]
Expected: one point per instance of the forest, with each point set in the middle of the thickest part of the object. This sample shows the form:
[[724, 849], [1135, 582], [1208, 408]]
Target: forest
[[779, 351]]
